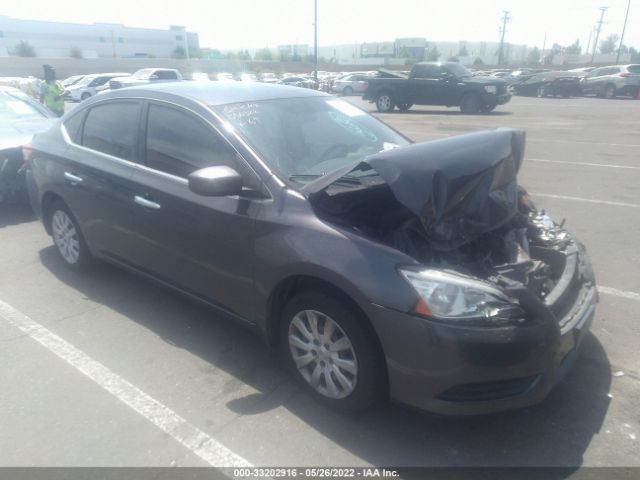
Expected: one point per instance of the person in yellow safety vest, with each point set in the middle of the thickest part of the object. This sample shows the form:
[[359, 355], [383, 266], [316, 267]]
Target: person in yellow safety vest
[[51, 92]]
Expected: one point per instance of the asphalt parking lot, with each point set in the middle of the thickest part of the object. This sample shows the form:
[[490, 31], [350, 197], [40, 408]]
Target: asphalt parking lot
[[107, 369]]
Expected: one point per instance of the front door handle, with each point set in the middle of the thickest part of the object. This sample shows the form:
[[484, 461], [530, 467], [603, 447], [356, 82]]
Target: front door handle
[[72, 177], [146, 203]]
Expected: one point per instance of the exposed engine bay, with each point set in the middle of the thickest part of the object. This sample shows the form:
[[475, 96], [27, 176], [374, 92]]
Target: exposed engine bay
[[452, 204], [529, 249]]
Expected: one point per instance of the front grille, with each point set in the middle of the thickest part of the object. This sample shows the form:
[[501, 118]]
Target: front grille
[[477, 392]]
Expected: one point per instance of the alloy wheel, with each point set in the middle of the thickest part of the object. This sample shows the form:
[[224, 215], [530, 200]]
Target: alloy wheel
[[323, 354], [65, 236], [384, 103]]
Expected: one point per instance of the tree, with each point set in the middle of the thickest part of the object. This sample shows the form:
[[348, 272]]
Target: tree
[[453, 59], [179, 52], [264, 54], [463, 51], [403, 53], [609, 44], [635, 55], [478, 61], [24, 49], [433, 54], [534, 56], [75, 52], [574, 49]]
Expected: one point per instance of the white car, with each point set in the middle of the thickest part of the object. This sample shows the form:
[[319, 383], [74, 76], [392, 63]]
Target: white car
[[89, 86]]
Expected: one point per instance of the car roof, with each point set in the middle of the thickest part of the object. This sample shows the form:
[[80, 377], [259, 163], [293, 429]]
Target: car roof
[[217, 93]]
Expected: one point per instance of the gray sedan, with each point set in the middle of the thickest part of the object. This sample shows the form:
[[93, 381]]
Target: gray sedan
[[350, 84]]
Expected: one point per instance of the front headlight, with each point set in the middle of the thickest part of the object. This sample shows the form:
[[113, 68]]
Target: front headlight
[[490, 88], [459, 299]]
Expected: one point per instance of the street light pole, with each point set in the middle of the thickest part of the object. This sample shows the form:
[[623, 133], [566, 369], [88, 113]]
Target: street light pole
[[315, 41], [624, 27]]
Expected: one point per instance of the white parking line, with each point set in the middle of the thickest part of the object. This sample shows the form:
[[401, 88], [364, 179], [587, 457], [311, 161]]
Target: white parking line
[[194, 439], [585, 164], [587, 200], [619, 293]]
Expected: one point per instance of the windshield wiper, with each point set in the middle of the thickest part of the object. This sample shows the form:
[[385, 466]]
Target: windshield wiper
[[350, 179]]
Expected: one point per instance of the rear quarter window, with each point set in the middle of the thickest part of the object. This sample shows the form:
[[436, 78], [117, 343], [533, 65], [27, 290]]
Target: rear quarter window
[[112, 128], [73, 127]]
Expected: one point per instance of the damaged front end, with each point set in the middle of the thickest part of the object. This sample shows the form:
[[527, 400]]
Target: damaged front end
[[486, 255]]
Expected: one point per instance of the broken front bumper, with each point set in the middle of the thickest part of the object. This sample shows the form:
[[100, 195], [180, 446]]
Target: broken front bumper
[[458, 370]]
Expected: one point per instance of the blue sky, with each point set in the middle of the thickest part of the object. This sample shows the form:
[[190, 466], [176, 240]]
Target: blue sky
[[258, 23]]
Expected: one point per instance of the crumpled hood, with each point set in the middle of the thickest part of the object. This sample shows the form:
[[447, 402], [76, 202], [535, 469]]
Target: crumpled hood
[[460, 187]]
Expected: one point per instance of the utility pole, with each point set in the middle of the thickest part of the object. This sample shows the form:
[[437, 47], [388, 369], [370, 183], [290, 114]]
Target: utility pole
[[624, 27], [544, 45], [589, 42], [600, 22], [315, 41], [505, 19]]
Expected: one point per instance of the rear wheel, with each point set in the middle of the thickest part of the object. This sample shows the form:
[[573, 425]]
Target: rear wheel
[[68, 238], [470, 104], [327, 348], [610, 92], [384, 103], [347, 91], [487, 108]]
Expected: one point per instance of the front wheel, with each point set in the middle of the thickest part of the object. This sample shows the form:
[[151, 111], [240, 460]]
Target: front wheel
[[347, 91], [68, 238], [384, 103], [470, 104], [85, 96], [542, 92], [327, 348]]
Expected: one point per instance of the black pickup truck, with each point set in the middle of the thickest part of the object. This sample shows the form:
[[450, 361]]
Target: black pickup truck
[[428, 83]]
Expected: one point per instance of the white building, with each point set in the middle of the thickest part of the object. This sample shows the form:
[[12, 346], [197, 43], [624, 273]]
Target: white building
[[98, 40]]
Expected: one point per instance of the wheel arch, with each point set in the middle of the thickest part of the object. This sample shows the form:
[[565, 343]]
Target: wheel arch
[[48, 199]]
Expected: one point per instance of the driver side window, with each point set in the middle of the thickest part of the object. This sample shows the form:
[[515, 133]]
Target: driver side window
[[178, 143]]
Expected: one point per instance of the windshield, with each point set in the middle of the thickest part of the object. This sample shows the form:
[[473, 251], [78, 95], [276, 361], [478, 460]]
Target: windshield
[[13, 107], [305, 138], [457, 70], [84, 82]]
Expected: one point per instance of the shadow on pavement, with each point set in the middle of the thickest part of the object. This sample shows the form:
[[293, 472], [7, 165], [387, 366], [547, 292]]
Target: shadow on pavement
[[555, 433], [15, 212]]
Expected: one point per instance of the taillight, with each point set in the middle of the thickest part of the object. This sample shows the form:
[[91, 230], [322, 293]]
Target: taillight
[[27, 153]]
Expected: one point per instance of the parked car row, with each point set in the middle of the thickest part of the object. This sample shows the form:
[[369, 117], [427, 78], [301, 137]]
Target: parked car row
[[608, 82]]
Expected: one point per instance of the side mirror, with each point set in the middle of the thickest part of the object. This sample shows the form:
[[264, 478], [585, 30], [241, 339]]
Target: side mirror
[[217, 181]]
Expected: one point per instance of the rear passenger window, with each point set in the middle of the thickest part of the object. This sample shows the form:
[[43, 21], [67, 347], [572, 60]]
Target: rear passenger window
[[112, 128], [179, 143], [166, 75], [73, 127]]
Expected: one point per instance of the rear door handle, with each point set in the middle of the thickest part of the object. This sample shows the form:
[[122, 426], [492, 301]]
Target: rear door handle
[[146, 203], [72, 178]]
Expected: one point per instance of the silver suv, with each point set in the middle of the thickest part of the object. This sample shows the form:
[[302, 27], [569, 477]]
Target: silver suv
[[610, 82]]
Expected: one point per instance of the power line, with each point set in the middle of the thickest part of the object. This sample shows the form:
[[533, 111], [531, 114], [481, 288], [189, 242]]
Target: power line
[[505, 18], [600, 22], [624, 27]]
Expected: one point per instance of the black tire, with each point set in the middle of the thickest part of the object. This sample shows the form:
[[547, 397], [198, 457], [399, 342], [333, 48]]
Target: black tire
[[370, 372], [385, 102], [487, 108], [85, 95], [541, 92], [404, 107], [470, 103], [347, 91], [610, 92], [84, 260]]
